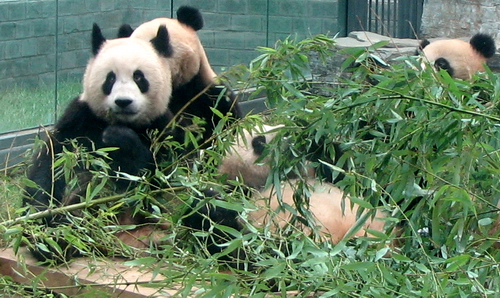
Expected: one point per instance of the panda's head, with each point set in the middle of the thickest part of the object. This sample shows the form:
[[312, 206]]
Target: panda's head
[[188, 57], [124, 81], [243, 159], [459, 58]]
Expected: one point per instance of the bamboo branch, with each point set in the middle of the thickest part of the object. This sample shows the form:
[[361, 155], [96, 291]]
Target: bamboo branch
[[59, 210], [442, 105]]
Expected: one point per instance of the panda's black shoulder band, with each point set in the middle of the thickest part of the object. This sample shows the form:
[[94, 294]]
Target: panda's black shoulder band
[[161, 42], [97, 39]]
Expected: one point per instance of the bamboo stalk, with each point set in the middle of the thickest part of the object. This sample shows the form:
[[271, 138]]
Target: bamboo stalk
[[59, 210]]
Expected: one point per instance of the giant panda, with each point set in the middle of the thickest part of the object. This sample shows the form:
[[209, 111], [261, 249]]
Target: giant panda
[[459, 58], [195, 87], [125, 96], [332, 210]]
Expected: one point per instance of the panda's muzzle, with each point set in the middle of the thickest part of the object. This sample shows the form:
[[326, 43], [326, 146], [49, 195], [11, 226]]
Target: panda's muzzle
[[124, 106], [123, 102]]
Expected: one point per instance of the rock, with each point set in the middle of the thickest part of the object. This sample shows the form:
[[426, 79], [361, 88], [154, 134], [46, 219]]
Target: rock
[[395, 47], [328, 74], [365, 36], [348, 42]]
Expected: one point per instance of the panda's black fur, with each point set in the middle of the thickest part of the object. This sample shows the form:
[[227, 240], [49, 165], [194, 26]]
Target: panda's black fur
[[196, 218], [198, 94], [219, 97], [125, 125]]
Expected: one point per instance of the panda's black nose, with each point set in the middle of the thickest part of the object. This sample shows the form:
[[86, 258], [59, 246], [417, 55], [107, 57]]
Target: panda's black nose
[[123, 102]]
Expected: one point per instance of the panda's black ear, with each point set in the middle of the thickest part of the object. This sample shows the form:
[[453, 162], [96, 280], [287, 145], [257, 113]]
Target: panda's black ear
[[97, 39], [125, 30], [162, 42], [484, 44], [259, 144], [423, 44], [190, 16]]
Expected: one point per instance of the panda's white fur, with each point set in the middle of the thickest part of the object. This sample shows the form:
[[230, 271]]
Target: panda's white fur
[[189, 57], [139, 55], [460, 58], [333, 212]]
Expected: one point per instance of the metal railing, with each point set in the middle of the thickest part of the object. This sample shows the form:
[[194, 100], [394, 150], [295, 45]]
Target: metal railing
[[395, 18]]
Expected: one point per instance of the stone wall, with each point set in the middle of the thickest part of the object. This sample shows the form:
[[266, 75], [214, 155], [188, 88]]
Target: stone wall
[[460, 18], [34, 33]]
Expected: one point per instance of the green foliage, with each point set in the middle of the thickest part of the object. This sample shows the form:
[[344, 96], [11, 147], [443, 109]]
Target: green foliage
[[418, 144]]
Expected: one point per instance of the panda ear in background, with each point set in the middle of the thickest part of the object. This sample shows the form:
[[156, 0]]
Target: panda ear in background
[[161, 42], [259, 144], [190, 16], [125, 30], [423, 44], [97, 39], [484, 44]]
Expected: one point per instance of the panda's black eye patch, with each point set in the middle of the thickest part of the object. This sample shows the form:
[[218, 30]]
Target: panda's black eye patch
[[141, 81], [442, 63], [259, 144], [110, 80]]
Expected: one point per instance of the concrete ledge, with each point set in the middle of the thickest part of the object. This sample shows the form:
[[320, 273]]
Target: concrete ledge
[[83, 276], [13, 145]]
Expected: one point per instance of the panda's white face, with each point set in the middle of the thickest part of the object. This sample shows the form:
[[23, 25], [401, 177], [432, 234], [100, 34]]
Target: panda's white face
[[125, 82], [241, 161]]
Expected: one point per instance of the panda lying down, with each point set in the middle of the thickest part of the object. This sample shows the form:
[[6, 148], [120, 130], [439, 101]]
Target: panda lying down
[[332, 210], [334, 214]]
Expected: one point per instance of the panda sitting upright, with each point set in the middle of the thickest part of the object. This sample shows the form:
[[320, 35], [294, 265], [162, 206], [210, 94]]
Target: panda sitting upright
[[459, 58], [125, 96], [331, 209], [195, 89]]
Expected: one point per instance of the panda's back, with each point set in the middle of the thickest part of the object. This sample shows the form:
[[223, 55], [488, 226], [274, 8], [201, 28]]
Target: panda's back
[[332, 209], [188, 59]]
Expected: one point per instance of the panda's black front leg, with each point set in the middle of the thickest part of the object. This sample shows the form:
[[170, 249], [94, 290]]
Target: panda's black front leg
[[132, 154], [48, 192], [202, 214]]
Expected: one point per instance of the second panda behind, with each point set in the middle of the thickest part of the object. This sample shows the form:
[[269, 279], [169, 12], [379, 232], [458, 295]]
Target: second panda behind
[[196, 90], [331, 209]]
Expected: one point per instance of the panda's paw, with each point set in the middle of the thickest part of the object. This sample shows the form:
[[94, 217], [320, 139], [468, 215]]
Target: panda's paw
[[50, 253], [120, 136], [202, 208], [132, 156]]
